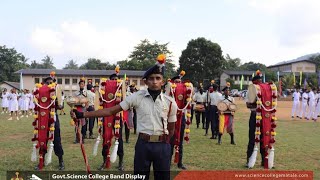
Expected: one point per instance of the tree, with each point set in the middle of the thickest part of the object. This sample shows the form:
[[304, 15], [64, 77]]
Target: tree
[[231, 64], [10, 62], [35, 65], [316, 59], [72, 64], [96, 64], [202, 59], [47, 63], [252, 66], [144, 55]]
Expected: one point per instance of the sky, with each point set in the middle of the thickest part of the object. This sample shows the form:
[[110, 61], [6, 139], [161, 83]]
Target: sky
[[264, 31]]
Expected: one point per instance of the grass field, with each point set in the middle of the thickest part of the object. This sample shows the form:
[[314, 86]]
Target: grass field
[[297, 146]]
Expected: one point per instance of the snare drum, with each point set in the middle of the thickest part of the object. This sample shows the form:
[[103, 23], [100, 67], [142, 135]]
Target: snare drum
[[200, 108], [232, 107], [222, 106], [77, 101]]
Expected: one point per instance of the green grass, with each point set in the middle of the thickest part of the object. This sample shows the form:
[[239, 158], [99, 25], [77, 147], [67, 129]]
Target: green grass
[[297, 147]]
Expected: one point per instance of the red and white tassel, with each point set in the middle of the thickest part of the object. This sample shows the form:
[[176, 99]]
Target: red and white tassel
[[271, 158], [48, 158], [253, 157], [113, 156], [34, 153], [95, 147]]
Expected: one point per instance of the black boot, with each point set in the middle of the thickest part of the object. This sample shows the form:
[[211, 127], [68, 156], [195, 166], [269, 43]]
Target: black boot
[[181, 166], [120, 166], [219, 139], [247, 164], [232, 139], [61, 163], [103, 165]]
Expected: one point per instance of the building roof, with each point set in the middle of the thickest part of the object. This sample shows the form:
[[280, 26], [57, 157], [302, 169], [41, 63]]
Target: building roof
[[80, 72], [240, 72], [12, 84], [299, 59]]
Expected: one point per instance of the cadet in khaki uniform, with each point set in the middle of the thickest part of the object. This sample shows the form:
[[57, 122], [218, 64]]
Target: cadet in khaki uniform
[[156, 117]]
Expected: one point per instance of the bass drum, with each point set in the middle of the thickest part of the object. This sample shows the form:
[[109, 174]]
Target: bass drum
[[77, 101], [200, 108], [222, 106], [252, 93], [232, 107]]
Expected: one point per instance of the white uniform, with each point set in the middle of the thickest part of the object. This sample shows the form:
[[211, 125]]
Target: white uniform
[[317, 107], [31, 103], [312, 104], [296, 103], [304, 106], [25, 102], [5, 101], [13, 102], [200, 98]]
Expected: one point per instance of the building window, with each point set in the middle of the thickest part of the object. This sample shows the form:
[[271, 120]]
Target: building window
[[36, 80], [74, 81], [59, 80], [97, 81], [67, 81]]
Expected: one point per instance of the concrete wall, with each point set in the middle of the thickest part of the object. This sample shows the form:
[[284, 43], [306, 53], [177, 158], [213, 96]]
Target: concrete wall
[[304, 67]]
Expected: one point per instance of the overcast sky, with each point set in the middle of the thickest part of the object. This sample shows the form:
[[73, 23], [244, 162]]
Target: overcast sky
[[265, 31]]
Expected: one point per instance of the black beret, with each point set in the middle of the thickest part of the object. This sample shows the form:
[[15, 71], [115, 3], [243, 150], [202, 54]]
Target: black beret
[[226, 88], [113, 76], [89, 86], [257, 77], [47, 79], [156, 69], [176, 77]]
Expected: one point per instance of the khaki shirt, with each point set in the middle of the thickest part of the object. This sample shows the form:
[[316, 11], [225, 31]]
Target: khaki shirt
[[229, 100], [87, 94], [150, 113]]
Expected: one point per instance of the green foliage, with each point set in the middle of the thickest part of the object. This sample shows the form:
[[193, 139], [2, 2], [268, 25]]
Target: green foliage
[[72, 64], [316, 59], [312, 81], [201, 60], [231, 64], [287, 81], [96, 64], [271, 76], [252, 66], [10, 62], [144, 56], [46, 63]]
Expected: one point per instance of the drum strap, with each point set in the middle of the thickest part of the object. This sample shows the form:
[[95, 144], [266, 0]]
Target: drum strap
[[228, 100]]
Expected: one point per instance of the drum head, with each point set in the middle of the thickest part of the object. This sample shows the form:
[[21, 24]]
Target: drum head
[[73, 101], [222, 106], [232, 107], [252, 93], [200, 107]]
